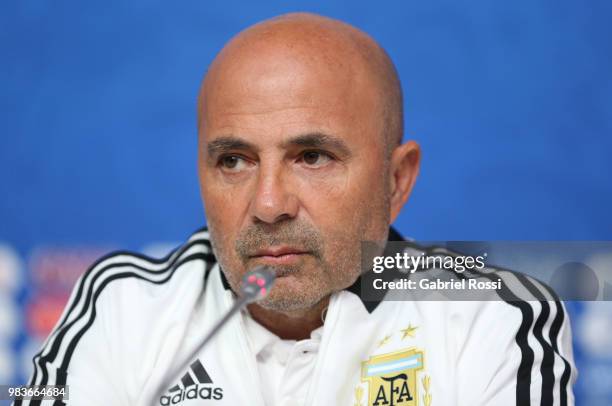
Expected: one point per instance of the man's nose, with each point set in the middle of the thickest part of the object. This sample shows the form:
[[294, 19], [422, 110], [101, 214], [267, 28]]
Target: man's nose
[[273, 201]]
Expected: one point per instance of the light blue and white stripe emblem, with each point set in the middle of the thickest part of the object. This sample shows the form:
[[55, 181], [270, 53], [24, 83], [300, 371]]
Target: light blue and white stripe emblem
[[411, 362]]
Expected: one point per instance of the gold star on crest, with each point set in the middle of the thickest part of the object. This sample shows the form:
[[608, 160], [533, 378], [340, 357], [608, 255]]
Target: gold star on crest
[[384, 341], [408, 331]]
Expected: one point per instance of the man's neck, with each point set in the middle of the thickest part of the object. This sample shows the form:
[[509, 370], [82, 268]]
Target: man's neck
[[293, 325]]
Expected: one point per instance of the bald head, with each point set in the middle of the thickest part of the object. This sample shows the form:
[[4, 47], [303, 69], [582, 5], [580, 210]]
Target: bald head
[[304, 46]]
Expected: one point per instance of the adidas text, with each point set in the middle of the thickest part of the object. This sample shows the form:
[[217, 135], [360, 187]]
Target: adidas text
[[193, 392]]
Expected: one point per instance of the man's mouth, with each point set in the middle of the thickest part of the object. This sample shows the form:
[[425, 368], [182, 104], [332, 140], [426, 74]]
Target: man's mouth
[[278, 255]]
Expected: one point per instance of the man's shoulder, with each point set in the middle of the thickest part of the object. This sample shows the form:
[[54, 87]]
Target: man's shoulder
[[520, 328], [132, 274], [490, 294], [123, 300], [124, 292]]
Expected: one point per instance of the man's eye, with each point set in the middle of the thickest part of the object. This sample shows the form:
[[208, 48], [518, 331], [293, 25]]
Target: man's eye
[[232, 162], [316, 158]]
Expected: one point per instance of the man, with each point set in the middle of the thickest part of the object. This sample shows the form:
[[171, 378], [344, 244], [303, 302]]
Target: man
[[300, 129]]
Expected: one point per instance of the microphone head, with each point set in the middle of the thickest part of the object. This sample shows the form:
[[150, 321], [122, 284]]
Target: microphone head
[[256, 283]]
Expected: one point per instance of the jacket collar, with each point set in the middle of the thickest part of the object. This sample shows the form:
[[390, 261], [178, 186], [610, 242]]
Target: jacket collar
[[356, 287]]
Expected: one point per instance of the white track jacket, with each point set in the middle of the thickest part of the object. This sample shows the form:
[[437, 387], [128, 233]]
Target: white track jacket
[[131, 321]]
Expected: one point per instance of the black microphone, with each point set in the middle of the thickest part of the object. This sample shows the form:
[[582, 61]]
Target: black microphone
[[256, 285]]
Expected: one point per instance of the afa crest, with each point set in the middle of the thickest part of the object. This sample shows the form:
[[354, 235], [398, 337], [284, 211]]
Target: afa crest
[[392, 378]]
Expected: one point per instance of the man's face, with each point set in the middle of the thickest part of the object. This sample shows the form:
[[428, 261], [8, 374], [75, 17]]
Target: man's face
[[293, 172]]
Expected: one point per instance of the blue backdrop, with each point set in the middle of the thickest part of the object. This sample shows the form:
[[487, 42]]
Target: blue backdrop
[[510, 101]]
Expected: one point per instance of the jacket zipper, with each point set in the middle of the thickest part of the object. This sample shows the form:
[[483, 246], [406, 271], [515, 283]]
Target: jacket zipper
[[248, 355], [328, 330]]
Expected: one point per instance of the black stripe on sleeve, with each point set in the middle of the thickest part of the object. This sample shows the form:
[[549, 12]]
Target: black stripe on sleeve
[[73, 343], [61, 377], [549, 347], [523, 376], [554, 337], [548, 353], [57, 335], [44, 361]]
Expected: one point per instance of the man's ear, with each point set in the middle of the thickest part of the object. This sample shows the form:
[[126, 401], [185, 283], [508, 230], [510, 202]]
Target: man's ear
[[404, 169]]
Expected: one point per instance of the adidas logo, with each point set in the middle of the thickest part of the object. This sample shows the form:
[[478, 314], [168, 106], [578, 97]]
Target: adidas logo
[[188, 388]]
